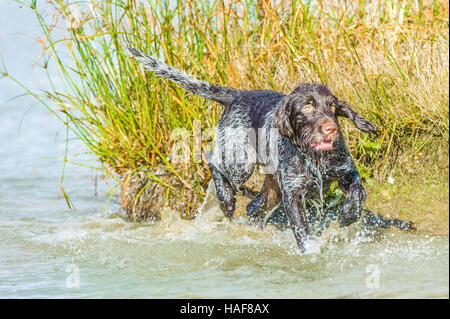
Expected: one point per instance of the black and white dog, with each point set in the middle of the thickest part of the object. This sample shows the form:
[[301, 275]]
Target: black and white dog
[[304, 159]]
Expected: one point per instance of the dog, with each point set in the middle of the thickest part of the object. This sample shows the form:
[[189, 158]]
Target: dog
[[310, 151]]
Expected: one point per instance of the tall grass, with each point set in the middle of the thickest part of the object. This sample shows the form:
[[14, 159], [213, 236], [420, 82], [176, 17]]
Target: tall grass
[[388, 58]]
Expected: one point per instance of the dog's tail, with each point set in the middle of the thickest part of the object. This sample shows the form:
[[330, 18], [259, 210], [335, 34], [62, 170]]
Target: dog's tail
[[202, 88]]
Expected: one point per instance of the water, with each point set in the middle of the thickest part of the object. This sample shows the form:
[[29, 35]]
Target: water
[[204, 259], [48, 251]]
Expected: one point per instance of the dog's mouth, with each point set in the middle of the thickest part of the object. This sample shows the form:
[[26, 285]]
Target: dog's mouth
[[323, 145]]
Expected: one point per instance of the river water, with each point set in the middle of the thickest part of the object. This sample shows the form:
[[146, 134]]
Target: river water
[[49, 251]]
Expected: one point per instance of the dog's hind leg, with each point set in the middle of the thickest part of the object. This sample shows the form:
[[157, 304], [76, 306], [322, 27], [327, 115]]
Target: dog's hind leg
[[226, 194], [264, 201]]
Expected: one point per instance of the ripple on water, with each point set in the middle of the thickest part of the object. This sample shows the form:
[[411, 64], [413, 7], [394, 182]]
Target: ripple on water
[[211, 257]]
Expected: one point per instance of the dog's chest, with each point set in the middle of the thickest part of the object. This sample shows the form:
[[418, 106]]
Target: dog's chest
[[317, 175]]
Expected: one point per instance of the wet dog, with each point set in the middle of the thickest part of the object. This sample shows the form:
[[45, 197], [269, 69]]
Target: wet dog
[[296, 137]]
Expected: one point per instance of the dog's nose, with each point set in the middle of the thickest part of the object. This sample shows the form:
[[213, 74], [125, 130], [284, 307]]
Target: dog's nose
[[329, 129]]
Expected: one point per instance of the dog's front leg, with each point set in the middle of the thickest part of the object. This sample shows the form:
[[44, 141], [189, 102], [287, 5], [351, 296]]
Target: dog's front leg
[[293, 186], [352, 208], [297, 218]]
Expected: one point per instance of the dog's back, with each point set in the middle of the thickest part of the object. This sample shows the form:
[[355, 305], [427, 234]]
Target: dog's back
[[256, 103]]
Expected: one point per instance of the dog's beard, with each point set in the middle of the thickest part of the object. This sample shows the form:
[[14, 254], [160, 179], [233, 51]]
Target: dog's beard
[[314, 143], [317, 143], [323, 145]]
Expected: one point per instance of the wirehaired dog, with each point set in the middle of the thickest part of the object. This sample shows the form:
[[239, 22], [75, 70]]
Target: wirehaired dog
[[300, 130]]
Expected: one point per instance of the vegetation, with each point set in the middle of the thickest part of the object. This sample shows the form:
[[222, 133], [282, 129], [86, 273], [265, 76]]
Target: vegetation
[[388, 58]]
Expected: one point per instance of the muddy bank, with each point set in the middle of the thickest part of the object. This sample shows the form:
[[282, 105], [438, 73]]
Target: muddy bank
[[146, 194], [416, 188]]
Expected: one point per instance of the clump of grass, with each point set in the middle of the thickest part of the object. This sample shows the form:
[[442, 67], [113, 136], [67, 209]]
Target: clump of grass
[[388, 58]]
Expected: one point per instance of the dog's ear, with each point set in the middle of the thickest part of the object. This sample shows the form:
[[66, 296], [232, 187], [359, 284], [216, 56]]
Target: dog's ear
[[282, 121], [343, 109]]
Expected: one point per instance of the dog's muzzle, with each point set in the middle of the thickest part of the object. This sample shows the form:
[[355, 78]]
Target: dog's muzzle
[[329, 132]]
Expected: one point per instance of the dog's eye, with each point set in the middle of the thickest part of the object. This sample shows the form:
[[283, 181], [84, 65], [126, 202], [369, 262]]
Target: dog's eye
[[333, 107], [309, 108]]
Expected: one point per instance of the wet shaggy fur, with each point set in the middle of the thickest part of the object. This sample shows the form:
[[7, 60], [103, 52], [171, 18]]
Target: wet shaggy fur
[[296, 136]]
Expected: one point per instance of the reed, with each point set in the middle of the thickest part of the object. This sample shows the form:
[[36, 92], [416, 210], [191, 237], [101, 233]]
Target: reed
[[389, 59]]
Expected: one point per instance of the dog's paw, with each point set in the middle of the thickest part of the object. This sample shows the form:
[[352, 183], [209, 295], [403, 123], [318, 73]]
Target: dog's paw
[[402, 225], [348, 215]]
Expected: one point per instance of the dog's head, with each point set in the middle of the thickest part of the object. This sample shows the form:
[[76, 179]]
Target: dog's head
[[308, 118]]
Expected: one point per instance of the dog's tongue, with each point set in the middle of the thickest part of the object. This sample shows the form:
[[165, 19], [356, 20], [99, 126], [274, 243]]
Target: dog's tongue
[[324, 145]]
